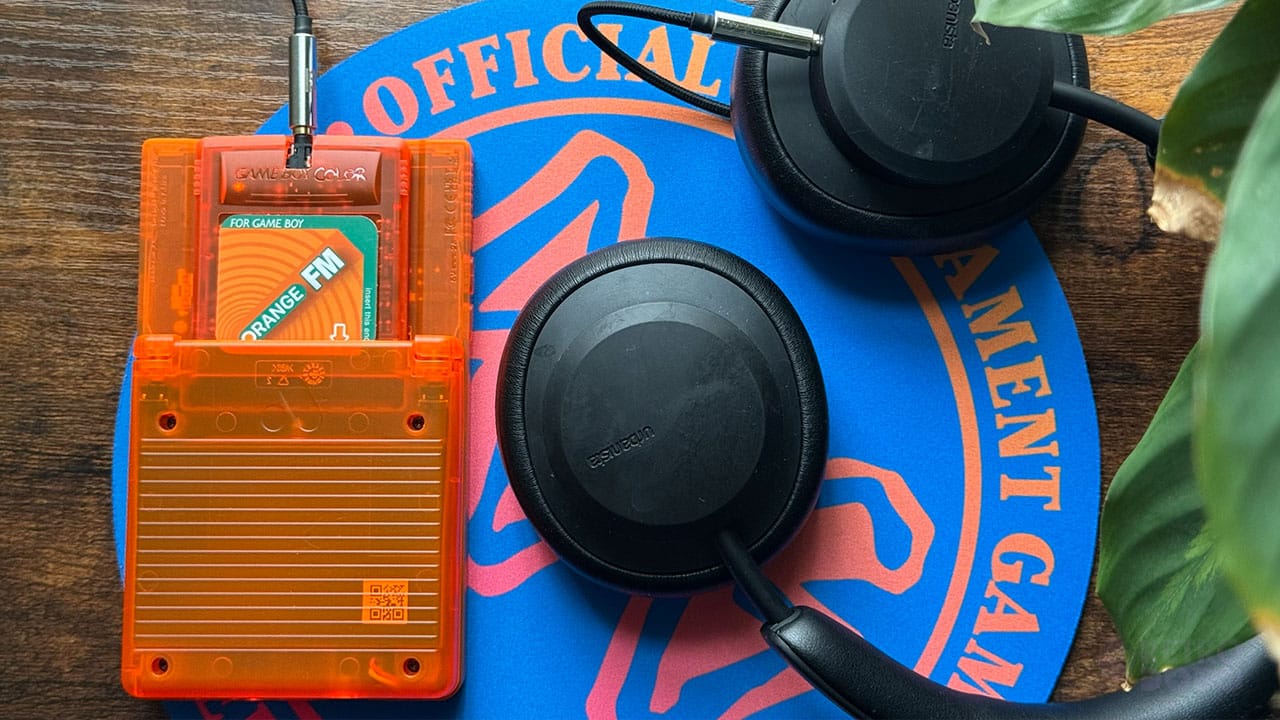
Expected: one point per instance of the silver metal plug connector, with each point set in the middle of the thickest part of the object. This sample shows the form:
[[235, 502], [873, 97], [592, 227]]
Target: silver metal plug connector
[[302, 98], [774, 37]]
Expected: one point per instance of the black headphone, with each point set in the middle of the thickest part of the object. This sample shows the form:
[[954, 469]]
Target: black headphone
[[661, 411], [891, 126]]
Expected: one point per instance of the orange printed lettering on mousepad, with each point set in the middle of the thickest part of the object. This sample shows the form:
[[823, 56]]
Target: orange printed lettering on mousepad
[[956, 526]]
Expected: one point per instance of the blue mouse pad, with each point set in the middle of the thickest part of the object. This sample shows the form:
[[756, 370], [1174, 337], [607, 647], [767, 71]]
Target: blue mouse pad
[[956, 527]]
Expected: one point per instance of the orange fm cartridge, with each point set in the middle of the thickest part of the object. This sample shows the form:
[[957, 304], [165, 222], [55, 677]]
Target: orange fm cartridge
[[296, 518]]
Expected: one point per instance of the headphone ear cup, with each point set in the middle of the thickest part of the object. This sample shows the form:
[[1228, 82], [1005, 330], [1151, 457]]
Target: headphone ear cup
[[814, 177], [653, 394]]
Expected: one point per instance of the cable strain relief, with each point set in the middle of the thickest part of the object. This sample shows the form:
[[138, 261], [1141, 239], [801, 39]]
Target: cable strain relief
[[302, 24], [702, 22]]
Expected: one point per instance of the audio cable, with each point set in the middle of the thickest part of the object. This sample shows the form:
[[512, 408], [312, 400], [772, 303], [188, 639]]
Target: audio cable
[[737, 29], [780, 38]]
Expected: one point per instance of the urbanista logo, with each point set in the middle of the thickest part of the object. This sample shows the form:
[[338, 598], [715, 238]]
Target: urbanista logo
[[618, 447]]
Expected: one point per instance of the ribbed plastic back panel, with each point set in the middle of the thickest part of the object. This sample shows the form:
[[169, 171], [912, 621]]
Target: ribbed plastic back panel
[[274, 544]]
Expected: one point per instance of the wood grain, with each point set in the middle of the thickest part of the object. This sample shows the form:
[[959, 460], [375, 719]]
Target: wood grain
[[82, 83], [1134, 291]]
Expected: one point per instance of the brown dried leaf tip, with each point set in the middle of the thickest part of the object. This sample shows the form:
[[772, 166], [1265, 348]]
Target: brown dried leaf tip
[[1182, 204]]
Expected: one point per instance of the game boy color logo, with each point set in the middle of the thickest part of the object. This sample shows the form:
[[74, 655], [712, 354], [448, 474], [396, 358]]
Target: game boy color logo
[[955, 527]]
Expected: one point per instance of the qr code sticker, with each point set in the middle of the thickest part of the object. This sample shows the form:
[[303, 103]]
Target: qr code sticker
[[386, 602]]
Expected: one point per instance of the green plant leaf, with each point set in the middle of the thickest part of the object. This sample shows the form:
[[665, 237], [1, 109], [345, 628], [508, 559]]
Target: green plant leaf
[[1088, 17], [1237, 391], [1209, 119], [1156, 573]]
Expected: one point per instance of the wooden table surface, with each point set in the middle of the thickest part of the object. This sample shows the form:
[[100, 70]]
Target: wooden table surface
[[83, 82]]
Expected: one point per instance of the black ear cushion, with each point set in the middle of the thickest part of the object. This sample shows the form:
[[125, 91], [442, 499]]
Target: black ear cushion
[[768, 9], [808, 203], [514, 435]]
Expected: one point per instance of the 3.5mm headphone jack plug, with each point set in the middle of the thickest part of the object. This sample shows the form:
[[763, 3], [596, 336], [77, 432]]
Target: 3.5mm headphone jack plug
[[767, 35], [302, 87]]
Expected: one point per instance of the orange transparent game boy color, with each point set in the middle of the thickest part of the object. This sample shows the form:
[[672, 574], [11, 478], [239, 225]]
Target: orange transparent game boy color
[[296, 518]]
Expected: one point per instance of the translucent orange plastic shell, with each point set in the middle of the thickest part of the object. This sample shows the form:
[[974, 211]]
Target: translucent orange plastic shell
[[296, 512]]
